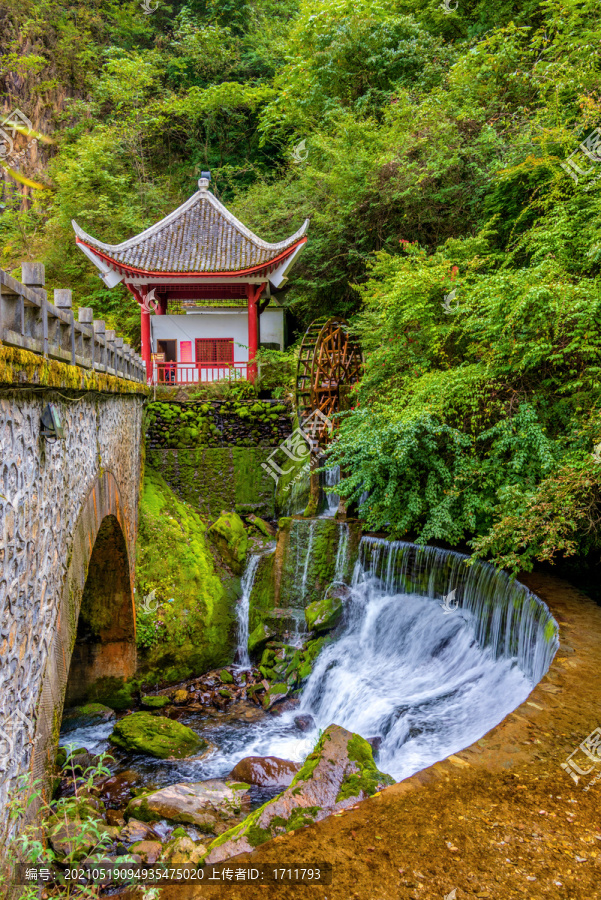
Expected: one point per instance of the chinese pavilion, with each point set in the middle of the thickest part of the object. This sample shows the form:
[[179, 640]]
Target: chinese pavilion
[[208, 280]]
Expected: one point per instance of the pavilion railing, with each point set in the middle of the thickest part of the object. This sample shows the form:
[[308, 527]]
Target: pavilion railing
[[29, 321], [194, 373]]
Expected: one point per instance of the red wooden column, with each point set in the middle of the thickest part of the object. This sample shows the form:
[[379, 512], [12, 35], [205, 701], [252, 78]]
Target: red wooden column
[[253, 328], [145, 334]]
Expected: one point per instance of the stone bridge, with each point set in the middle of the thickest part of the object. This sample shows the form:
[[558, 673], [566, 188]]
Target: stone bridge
[[68, 515]]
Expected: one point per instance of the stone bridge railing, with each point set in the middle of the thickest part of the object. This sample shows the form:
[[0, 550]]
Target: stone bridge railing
[[68, 522], [29, 321]]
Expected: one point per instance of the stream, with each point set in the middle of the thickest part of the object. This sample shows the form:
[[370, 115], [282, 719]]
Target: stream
[[424, 674]]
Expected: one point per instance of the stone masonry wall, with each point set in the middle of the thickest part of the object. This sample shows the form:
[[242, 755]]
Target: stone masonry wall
[[53, 497]]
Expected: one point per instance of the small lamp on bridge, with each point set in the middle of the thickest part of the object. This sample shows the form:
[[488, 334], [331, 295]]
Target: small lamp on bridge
[[52, 428]]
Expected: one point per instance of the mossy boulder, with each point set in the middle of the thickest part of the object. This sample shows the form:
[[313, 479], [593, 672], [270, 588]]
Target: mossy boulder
[[275, 693], [323, 615], [83, 716], [158, 736], [262, 526], [157, 702], [231, 540], [196, 617], [226, 677], [339, 772], [259, 636]]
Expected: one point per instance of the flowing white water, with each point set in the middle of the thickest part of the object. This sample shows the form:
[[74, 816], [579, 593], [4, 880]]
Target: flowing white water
[[307, 560], [332, 478], [342, 552], [248, 580], [428, 682]]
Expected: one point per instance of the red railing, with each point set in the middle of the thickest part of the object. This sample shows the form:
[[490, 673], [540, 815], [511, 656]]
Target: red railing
[[193, 373]]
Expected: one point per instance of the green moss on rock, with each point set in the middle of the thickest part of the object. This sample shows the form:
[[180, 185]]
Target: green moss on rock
[[196, 630], [368, 779], [157, 702], [156, 735], [259, 636], [231, 540], [323, 615]]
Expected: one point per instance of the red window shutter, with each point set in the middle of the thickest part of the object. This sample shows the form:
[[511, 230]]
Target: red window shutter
[[215, 350]]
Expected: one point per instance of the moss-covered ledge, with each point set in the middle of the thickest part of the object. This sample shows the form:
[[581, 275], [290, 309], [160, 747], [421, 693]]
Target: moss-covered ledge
[[22, 367]]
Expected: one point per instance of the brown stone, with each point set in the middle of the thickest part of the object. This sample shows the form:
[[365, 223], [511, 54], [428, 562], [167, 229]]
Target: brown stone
[[266, 771], [137, 831], [117, 790], [148, 850], [115, 817], [201, 803], [181, 696]]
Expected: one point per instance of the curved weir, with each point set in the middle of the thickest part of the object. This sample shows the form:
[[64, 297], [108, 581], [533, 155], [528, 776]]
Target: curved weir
[[432, 653]]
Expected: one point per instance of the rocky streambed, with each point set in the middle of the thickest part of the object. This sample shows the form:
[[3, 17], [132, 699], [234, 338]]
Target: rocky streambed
[[178, 786]]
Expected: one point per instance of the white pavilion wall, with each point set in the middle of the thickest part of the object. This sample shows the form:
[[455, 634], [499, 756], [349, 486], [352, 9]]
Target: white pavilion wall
[[220, 323]]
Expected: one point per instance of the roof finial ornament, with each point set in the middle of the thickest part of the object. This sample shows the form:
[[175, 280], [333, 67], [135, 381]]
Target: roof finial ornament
[[203, 181]]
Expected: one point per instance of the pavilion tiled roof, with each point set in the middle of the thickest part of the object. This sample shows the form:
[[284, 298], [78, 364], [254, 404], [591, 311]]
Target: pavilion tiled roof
[[201, 236]]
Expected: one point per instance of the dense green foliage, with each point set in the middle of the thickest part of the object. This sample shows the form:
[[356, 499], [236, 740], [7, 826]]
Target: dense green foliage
[[430, 167]]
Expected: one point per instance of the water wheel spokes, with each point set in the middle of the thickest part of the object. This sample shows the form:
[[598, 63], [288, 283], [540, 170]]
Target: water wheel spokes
[[328, 361]]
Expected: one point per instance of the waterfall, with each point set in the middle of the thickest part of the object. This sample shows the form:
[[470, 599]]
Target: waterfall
[[303, 589], [342, 553], [248, 579], [297, 494], [428, 677], [508, 617], [332, 478]]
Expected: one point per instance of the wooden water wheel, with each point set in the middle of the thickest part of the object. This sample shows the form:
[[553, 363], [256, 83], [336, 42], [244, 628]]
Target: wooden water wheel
[[329, 363]]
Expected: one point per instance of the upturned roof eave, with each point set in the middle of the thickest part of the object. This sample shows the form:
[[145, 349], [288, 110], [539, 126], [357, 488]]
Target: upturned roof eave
[[158, 273], [180, 211]]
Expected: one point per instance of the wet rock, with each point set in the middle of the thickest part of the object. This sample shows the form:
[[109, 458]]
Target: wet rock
[[226, 677], [304, 723], [261, 525], [158, 736], [148, 851], [203, 803], [230, 537], [266, 771], [83, 716], [323, 615], [135, 831], [183, 851], [259, 636], [115, 817], [116, 791], [339, 772], [181, 696], [284, 706], [375, 743], [155, 702], [275, 693]]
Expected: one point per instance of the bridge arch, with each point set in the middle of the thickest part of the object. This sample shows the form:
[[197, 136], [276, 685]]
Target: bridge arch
[[95, 628]]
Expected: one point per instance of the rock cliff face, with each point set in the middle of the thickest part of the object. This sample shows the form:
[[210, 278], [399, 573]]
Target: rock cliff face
[[188, 624], [339, 772]]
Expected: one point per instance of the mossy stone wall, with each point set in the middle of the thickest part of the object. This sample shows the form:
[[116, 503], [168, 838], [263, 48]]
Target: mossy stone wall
[[212, 479], [190, 621]]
